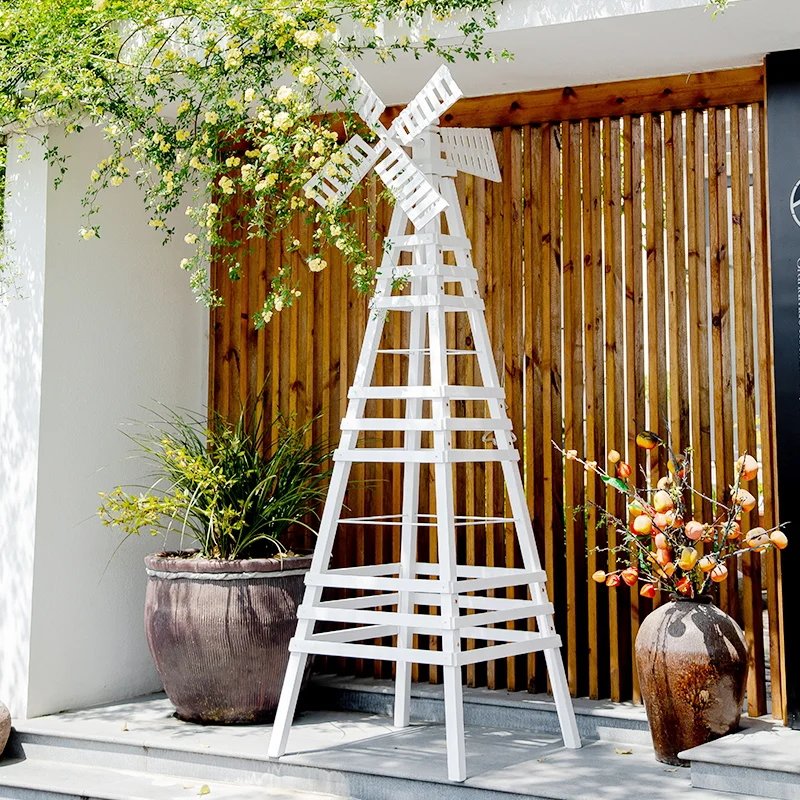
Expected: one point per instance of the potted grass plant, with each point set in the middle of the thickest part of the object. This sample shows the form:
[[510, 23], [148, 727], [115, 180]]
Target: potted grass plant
[[692, 657], [221, 608]]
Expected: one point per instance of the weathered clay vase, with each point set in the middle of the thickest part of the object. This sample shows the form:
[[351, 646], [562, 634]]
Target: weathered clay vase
[[5, 727], [219, 633], [692, 662]]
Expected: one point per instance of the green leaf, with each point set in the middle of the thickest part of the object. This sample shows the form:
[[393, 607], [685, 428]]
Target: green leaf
[[616, 483]]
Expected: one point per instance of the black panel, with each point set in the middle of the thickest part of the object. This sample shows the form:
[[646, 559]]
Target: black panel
[[783, 122]]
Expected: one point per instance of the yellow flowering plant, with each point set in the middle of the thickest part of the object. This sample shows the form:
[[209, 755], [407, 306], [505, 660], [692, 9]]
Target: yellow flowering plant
[[214, 100]]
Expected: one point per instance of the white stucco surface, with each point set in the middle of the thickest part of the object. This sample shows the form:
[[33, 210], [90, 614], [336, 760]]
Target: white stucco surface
[[559, 43], [21, 328], [116, 330]]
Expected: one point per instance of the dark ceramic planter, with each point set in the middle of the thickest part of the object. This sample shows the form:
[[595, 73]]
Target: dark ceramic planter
[[692, 662], [5, 727], [221, 645]]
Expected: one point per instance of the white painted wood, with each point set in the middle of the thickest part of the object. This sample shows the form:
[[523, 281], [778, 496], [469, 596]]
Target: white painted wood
[[398, 455], [424, 187], [447, 391], [471, 150], [451, 424], [435, 97]]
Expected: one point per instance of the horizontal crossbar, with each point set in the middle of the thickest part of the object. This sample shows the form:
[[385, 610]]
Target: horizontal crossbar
[[441, 240], [518, 643], [445, 391], [406, 351], [448, 302], [428, 521], [469, 579], [416, 424], [444, 272], [522, 609], [398, 455]]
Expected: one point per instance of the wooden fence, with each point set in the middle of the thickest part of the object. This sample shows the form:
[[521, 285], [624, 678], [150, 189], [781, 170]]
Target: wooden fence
[[624, 264]]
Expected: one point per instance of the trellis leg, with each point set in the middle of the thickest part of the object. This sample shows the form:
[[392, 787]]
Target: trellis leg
[[544, 623], [527, 543], [305, 627], [327, 530], [408, 536], [446, 539], [513, 481]]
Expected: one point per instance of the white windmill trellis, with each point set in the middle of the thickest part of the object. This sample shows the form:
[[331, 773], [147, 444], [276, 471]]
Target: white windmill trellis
[[390, 594]]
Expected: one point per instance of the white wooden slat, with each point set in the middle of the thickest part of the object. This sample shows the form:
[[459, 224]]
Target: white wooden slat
[[367, 569], [351, 634], [499, 582], [333, 581], [435, 97], [423, 521], [498, 651], [375, 652], [416, 623], [365, 601], [521, 610], [443, 272], [474, 571], [451, 424], [471, 150], [406, 351], [334, 182], [443, 241], [398, 455], [448, 302], [445, 392]]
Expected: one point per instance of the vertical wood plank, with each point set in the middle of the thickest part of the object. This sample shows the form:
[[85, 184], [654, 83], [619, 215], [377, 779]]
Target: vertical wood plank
[[593, 323], [745, 396], [552, 377], [619, 612], [766, 407], [698, 311], [577, 629], [634, 327], [535, 439], [721, 327], [656, 306]]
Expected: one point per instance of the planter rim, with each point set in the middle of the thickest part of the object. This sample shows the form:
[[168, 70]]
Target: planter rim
[[702, 599], [183, 562]]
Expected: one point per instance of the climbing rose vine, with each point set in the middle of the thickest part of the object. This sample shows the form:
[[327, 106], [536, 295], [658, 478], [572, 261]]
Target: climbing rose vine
[[217, 101]]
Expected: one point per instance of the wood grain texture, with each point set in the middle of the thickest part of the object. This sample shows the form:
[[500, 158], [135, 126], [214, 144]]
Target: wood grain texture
[[599, 256]]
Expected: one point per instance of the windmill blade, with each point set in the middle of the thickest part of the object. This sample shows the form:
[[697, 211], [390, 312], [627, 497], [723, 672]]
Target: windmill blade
[[334, 182], [415, 194], [432, 100], [471, 150], [368, 105]]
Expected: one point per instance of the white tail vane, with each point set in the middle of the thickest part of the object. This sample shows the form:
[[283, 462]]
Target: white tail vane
[[471, 150], [388, 612]]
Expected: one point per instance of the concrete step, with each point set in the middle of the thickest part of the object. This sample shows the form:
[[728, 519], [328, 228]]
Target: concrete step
[[348, 754], [38, 779], [763, 759], [491, 708]]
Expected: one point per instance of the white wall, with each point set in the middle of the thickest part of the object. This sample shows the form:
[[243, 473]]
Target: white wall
[[21, 327], [559, 43], [121, 331]]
